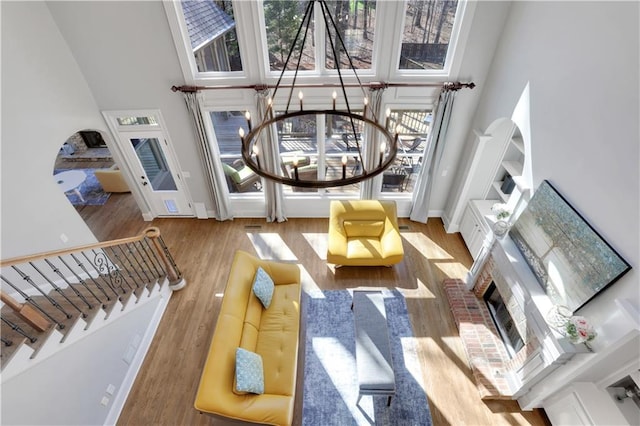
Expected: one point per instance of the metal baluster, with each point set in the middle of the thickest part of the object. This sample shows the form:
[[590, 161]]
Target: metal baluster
[[118, 265], [29, 300], [142, 254], [58, 290], [18, 330], [81, 266], [6, 342], [82, 282], [113, 272], [52, 301], [151, 254], [100, 269], [169, 257], [147, 280], [56, 270], [131, 268]]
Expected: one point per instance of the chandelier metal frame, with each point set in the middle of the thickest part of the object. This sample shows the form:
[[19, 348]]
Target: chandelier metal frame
[[250, 154]]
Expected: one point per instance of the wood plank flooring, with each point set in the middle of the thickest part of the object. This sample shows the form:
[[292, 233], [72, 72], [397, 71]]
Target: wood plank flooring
[[164, 391]]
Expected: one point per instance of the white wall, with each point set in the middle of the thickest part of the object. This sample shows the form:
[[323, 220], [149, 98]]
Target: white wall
[[127, 55], [484, 34], [45, 99], [67, 388], [581, 61]]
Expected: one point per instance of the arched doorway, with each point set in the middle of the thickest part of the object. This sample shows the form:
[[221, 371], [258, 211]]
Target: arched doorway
[[86, 171]]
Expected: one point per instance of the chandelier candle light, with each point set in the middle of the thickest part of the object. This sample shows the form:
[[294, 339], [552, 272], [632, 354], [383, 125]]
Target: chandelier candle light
[[372, 130]]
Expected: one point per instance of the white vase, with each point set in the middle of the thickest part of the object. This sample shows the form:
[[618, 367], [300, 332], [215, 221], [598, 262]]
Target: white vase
[[500, 229]]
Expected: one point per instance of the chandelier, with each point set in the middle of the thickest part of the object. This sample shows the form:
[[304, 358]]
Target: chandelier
[[380, 146]]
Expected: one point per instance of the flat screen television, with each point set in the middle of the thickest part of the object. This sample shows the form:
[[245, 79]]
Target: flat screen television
[[571, 261]]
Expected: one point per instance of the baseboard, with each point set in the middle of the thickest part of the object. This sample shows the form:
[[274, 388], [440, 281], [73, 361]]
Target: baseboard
[[136, 364]]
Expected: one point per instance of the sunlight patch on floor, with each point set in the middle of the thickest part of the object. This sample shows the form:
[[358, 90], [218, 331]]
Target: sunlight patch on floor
[[452, 269], [454, 345], [412, 364], [419, 241], [318, 242], [421, 292], [270, 246], [328, 350], [309, 285]]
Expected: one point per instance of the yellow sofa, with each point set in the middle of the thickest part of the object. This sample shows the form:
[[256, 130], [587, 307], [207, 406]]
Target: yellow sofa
[[273, 333], [364, 233]]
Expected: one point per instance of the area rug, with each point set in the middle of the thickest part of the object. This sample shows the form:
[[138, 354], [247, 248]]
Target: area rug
[[330, 375], [90, 189]]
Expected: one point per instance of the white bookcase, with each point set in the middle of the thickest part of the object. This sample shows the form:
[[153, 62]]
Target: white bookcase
[[512, 164]]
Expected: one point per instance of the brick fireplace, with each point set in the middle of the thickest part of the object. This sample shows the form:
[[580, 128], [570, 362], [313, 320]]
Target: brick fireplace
[[499, 375]]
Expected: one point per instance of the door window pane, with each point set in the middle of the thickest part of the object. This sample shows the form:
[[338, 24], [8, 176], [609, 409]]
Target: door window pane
[[154, 164], [427, 31], [340, 142], [414, 126], [240, 178], [282, 20], [212, 33], [355, 20]]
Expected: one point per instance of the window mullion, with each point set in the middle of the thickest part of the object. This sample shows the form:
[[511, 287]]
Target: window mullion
[[321, 40]]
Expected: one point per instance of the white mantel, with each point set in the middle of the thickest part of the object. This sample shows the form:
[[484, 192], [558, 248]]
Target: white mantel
[[554, 349], [569, 379]]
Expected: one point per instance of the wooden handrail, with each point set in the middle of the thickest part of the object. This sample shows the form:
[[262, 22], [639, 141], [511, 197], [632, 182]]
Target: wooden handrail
[[26, 312], [150, 232]]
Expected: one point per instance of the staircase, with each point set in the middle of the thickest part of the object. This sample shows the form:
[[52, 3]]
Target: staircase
[[53, 299]]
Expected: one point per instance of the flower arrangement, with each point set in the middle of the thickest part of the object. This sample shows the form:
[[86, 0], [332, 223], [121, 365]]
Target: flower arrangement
[[501, 211], [579, 330]]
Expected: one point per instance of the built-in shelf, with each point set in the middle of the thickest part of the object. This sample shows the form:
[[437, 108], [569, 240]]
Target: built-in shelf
[[514, 168], [518, 143], [511, 166]]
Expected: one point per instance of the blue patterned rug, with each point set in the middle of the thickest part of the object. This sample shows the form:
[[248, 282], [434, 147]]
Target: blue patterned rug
[[91, 190], [330, 375]]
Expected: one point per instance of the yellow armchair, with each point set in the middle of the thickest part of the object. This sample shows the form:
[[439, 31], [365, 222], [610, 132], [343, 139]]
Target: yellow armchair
[[111, 179], [364, 233]]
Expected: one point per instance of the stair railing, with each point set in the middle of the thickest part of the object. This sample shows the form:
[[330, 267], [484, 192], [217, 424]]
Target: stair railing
[[84, 277]]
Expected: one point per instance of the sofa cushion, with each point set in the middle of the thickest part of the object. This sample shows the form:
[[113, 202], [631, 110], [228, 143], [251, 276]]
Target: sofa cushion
[[363, 228], [263, 287], [249, 372]]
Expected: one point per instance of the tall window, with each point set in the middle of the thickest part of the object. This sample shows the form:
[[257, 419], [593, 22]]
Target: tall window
[[212, 33], [413, 126], [355, 21], [282, 20], [320, 154], [428, 25], [240, 178]]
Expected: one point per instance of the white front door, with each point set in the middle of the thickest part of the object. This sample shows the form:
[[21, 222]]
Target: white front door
[[151, 161]]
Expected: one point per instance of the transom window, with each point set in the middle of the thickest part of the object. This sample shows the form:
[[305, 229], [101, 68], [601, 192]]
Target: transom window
[[212, 34], [355, 21], [250, 40], [428, 26]]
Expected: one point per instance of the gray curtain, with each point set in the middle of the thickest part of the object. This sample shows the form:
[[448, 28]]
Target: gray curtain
[[431, 158], [210, 156], [268, 140], [370, 188]]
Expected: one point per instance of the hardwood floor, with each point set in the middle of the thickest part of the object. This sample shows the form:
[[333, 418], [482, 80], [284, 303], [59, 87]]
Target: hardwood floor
[[164, 391]]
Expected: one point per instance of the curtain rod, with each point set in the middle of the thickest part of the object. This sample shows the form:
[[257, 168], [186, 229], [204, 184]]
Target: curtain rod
[[451, 85]]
